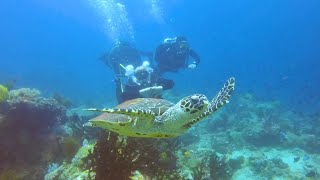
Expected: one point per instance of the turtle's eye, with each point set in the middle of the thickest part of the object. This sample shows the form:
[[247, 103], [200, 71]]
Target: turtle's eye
[[199, 102], [194, 103]]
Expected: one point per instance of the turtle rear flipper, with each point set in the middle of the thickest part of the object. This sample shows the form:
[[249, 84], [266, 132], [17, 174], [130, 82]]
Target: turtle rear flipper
[[217, 102], [129, 112]]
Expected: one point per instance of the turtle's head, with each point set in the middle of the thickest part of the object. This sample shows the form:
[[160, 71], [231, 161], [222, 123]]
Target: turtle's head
[[194, 104]]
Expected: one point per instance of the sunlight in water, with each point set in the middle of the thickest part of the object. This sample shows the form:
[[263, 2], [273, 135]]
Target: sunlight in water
[[156, 10], [116, 24]]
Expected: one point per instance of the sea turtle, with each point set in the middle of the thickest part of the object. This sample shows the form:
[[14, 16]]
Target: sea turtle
[[159, 118]]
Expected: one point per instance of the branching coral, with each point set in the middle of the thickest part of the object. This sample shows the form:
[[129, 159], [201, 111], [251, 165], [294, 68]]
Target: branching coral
[[211, 167], [219, 169], [198, 172], [114, 158]]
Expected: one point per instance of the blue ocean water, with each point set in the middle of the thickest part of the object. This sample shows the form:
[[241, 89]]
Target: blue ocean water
[[272, 47]]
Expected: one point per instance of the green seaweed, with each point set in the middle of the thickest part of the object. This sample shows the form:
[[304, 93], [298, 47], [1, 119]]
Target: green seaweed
[[3, 93]]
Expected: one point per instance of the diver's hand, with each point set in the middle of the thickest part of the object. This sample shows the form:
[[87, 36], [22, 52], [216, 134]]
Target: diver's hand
[[192, 66]]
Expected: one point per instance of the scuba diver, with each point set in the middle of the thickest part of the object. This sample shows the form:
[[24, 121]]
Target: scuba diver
[[173, 54], [118, 58], [132, 79], [143, 82], [121, 55]]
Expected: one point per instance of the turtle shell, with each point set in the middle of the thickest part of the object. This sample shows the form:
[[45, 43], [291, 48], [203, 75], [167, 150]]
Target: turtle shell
[[157, 106]]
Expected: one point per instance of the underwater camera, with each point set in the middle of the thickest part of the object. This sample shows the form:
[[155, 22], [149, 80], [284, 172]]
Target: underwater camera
[[142, 74]]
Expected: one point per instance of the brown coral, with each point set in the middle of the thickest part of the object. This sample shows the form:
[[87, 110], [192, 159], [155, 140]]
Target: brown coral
[[115, 158]]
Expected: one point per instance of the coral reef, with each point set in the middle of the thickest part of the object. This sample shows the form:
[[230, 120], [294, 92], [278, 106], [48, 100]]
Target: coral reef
[[219, 169], [27, 133], [76, 169], [199, 172], [62, 100], [249, 139], [267, 167], [252, 122], [246, 140], [248, 132], [26, 109], [114, 157], [23, 94], [202, 164]]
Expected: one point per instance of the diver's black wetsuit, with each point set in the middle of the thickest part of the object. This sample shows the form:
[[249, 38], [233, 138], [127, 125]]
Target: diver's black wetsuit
[[120, 56], [131, 89], [171, 57], [123, 54]]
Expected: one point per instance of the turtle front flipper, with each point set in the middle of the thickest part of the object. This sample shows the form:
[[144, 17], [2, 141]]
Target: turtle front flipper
[[217, 102], [129, 112], [223, 96]]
